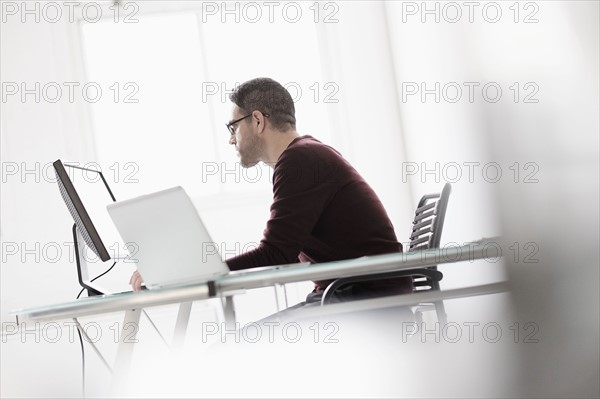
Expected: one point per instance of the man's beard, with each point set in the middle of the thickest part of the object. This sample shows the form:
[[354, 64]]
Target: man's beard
[[249, 157]]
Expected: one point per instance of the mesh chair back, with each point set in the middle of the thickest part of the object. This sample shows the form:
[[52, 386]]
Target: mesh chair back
[[426, 233], [427, 229]]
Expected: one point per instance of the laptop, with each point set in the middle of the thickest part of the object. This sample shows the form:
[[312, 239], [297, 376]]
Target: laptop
[[167, 239]]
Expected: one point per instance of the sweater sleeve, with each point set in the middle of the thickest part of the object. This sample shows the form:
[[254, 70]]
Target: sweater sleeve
[[303, 186]]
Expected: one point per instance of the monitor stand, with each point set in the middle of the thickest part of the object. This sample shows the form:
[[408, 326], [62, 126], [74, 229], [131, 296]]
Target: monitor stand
[[82, 270]]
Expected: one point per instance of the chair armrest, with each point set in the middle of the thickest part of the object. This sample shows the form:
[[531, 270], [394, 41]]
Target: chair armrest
[[432, 274]]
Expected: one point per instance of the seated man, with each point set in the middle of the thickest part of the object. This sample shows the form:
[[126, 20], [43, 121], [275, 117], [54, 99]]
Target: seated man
[[322, 209]]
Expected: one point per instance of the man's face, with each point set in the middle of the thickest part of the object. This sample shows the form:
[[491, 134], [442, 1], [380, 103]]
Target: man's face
[[246, 140]]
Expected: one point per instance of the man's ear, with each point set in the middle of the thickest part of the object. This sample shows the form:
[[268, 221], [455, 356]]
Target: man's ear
[[258, 119]]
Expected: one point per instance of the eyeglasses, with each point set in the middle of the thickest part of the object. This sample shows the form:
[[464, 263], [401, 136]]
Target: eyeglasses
[[232, 125]]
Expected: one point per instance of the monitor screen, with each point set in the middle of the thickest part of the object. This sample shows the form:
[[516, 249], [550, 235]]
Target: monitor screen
[[78, 212]]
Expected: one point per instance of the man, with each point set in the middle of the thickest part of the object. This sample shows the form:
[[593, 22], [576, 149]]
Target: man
[[322, 209]]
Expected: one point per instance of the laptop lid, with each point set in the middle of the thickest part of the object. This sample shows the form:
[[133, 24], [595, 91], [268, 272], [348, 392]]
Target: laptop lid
[[166, 238]]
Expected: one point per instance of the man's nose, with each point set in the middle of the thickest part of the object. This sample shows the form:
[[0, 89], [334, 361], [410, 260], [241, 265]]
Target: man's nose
[[232, 140]]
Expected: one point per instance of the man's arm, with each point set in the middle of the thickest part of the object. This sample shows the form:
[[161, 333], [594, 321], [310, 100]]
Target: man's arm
[[301, 191]]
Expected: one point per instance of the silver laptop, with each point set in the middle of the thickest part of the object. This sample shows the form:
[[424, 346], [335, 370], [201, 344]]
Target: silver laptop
[[167, 239]]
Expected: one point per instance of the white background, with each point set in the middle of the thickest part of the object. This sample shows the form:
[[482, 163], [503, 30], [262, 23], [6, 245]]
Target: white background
[[370, 53]]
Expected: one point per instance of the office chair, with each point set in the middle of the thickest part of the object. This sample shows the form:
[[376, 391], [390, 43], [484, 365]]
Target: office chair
[[426, 233]]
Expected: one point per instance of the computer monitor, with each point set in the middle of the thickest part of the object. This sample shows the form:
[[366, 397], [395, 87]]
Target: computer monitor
[[78, 212], [83, 222]]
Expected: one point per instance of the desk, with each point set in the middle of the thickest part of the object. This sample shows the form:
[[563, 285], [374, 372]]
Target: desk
[[133, 302]]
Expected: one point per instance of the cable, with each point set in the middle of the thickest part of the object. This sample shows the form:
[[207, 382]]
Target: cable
[[81, 338], [82, 365], [109, 269], [143, 311], [95, 278], [97, 352], [83, 333]]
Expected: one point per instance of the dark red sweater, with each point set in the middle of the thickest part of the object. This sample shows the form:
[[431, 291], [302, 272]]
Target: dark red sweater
[[322, 211]]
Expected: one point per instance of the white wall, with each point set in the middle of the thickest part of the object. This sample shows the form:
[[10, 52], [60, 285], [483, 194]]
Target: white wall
[[33, 136], [365, 122]]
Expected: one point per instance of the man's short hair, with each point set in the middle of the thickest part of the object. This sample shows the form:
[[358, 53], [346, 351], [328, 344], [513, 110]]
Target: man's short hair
[[268, 97]]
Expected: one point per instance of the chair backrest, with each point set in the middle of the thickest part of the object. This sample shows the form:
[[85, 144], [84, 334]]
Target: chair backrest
[[429, 220], [427, 231]]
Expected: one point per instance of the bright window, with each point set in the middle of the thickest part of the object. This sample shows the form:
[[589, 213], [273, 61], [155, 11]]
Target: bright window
[[178, 66]]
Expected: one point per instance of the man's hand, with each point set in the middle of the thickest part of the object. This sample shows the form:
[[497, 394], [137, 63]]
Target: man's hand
[[136, 281]]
